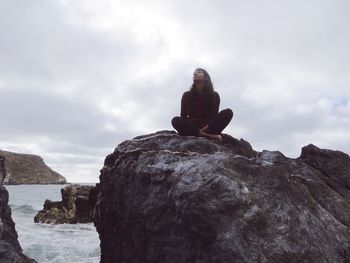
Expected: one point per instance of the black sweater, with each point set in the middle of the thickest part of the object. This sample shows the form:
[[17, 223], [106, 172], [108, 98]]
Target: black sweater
[[199, 113]]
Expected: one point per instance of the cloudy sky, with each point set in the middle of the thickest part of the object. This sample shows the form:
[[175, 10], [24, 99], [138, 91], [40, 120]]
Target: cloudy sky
[[77, 77]]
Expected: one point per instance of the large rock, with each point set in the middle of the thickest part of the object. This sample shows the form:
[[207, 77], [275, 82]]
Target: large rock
[[10, 249], [167, 198], [29, 169], [75, 207]]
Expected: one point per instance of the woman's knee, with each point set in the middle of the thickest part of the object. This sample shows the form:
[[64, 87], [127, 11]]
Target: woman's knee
[[228, 113], [175, 121]]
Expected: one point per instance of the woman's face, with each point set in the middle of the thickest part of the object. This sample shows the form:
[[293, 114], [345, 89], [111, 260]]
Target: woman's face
[[198, 79], [198, 75]]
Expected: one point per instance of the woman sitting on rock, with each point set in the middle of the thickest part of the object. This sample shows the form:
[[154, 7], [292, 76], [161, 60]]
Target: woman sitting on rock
[[200, 114]]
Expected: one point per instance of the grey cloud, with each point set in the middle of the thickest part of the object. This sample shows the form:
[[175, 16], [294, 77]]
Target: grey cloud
[[274, 63], [45, 114]]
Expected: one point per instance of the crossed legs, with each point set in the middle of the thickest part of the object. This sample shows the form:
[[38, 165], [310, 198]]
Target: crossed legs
[[215, 126]]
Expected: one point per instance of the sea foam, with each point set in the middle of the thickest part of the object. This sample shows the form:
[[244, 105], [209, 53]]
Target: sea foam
[[46, 242]]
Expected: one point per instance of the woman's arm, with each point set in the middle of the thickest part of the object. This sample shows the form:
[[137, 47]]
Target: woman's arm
[[184, 103], [216, 103]]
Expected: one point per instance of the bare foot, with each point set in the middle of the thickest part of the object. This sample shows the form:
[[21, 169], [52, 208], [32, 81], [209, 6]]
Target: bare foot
[[218, 137]]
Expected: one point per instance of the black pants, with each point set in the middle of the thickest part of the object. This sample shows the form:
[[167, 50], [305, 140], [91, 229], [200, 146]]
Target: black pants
[[215, 126]]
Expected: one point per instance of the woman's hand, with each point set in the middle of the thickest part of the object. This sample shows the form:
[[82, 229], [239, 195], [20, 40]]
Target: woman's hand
[[205, 128], [204, 132]]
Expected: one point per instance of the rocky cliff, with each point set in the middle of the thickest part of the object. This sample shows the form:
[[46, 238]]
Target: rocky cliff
[[10, 249], [29, 169], [75, 207], [167, 198]]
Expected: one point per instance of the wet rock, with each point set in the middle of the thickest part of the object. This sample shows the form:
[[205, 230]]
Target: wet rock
[[10, 249], [75, 207], [333, 164], [168, 198]]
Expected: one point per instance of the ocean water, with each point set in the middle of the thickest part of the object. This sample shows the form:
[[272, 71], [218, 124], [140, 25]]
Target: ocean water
[[45, 242]]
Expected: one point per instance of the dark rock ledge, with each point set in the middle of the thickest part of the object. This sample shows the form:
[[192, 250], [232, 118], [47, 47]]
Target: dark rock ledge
[[164, 198], [10, 249]]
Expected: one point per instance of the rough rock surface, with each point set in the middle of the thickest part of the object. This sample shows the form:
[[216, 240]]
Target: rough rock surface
[[10, 249], [167, 198], [29, 169], [75, 207]]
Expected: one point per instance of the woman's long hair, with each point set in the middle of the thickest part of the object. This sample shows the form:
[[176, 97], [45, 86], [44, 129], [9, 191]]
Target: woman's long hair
[[208, 89]]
